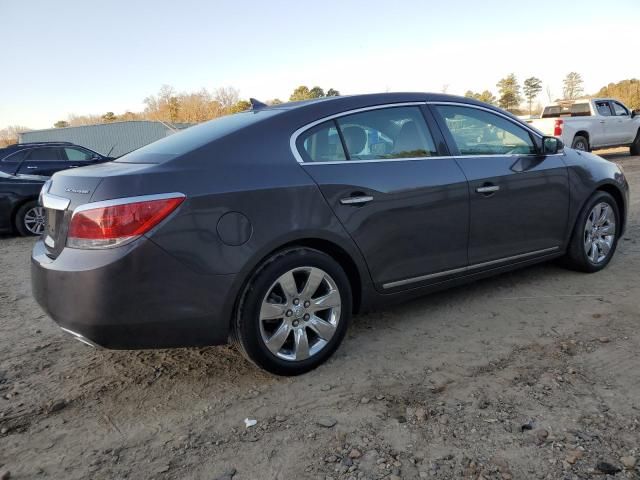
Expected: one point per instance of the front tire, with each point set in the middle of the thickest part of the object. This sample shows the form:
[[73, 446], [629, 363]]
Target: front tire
[[580, 143], [294, 312], [595, 235], [635, 146], [30, 219]]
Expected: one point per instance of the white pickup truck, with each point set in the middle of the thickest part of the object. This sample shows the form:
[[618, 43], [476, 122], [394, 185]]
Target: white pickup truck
[[591, 123]]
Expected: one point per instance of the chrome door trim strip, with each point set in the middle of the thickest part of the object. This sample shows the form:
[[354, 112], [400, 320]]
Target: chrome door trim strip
[[294, 137], [476, 266], [54, 202]]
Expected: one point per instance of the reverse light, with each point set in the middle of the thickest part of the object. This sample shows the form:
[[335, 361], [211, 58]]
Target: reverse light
[[116, 222], [557, 128]]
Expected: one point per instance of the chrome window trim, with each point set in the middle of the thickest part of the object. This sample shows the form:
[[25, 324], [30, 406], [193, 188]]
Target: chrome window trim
[[478, 107], [125, 200], [440, 157], [475, 266], [294, 136]]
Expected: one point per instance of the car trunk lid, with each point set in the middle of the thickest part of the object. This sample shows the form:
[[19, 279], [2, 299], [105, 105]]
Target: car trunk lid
[[69, 189]]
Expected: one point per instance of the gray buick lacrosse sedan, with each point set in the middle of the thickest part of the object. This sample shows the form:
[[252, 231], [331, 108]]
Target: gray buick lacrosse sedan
[[272, 227]]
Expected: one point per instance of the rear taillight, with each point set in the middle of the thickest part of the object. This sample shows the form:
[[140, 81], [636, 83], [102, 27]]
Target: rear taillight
[[116, 222], [557, 128]]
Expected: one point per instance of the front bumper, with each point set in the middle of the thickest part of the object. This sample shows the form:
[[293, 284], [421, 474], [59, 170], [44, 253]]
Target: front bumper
[[132, 297]]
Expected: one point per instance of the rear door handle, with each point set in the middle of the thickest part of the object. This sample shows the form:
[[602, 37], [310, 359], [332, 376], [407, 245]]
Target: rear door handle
[[359, 200], [31, 168], [485, 189]]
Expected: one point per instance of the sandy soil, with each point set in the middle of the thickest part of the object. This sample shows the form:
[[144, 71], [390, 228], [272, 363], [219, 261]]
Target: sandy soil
[[533, 374]]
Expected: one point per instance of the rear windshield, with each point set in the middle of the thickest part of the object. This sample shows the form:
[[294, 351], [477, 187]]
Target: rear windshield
[[194, 137], [575, 110]]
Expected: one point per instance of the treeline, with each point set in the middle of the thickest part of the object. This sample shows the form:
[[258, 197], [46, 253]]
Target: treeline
[[511, 96], [171, 106]]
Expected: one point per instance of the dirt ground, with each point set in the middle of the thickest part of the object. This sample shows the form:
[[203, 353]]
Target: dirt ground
[[532, 374]]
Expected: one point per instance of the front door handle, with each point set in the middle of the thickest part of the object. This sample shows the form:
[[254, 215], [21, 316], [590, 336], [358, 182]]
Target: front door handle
[[31, 168], [488, 189], [358, 200]]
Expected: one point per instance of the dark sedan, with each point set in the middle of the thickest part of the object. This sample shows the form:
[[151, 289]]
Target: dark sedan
[[24, 168], [273, 226]]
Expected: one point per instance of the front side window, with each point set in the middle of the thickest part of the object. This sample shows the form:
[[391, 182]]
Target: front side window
[[77, 155], [603, 109], [380, 134], [478, 132], [619, 109], [43, 155]]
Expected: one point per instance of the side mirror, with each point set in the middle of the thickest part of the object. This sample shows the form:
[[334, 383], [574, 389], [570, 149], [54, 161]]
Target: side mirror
[[551, 145], [635, 112]]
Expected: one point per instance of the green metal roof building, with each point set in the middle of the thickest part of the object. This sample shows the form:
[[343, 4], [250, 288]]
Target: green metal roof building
[[113, 138]]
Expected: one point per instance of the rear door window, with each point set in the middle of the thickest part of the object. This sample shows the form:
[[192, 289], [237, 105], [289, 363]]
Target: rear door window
[[603, 109], [45, 154], [387, 133]]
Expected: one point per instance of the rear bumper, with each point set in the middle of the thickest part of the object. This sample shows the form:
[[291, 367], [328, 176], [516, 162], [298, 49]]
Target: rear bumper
[[132, 297]]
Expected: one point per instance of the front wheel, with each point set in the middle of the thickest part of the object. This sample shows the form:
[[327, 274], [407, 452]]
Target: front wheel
[[30, 219], [595, 234], [635, 146], [294, 312]]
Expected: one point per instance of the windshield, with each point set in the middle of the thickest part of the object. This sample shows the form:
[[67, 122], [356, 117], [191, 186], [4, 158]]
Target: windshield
[[194, 137]]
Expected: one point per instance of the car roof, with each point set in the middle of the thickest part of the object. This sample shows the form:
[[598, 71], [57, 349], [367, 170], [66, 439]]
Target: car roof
[[17, 146]]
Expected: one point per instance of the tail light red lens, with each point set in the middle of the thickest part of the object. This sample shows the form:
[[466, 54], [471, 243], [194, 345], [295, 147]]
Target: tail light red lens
[[557, 128], [115, 223]]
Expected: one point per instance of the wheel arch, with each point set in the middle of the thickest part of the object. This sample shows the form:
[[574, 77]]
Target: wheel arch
[[17, 206], [355, 269], [582, 133], [617, 195]]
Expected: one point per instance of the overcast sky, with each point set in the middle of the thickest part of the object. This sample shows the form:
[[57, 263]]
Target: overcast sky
[[89, 57]]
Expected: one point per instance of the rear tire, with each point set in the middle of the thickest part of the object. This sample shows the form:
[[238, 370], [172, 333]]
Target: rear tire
[[294, 312], [635, 146], [29, 219], [591, 247], [580, 143]]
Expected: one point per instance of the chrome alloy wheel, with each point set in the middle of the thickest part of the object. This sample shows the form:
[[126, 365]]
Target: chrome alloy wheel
[[599, 232], [34, 220], [300, 313]]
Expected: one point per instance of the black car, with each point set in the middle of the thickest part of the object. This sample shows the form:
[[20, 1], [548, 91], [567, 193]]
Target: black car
[[271, 227], [23, 170]]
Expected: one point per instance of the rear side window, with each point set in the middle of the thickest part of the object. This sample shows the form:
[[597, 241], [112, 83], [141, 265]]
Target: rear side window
[[14, 157], [478, 132], [603, 109], [386, 133], [77, 155], [43, 155], [567, 110], [322, 144]]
